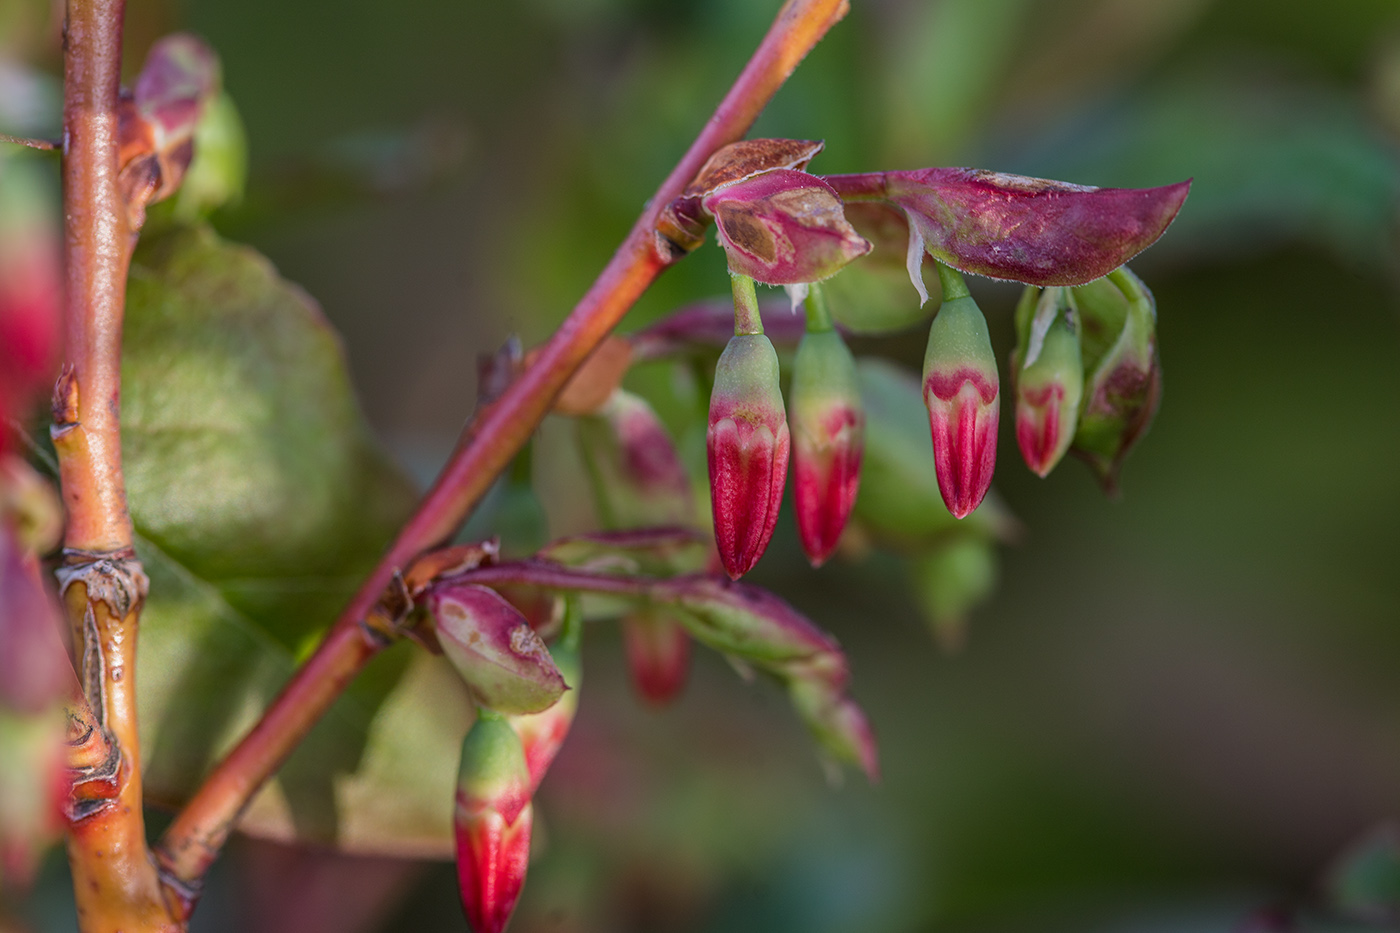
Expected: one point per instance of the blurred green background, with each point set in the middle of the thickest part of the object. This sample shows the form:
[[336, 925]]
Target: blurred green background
[[1179, 707]]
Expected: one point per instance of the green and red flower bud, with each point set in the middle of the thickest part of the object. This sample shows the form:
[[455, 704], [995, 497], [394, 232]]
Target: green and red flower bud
[[30, 290], [962, 392], [658, 654], [747, 441], [751, 624], [828, 433], [542, 734], [638, 477], [157, 121], [1049, 378], [491, 644], [1026, 229], [784, 227], [1125, 381], [492, 822], [900, 504], [836, 722]]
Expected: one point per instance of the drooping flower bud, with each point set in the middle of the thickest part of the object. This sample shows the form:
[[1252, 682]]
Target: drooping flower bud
[[747, 441], [900, 504], [494, 648], [1125, 379], [658, 654], [1049, 380], [492, 822], [784, 227], [949, 580], [542, 734], [30, 290], [828, 433], [962, 391], [837, 723], [638, 477]]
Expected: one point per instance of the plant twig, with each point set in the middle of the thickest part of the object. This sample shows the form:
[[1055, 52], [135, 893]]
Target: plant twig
[[114, 879], [46, 145], [501, 428]]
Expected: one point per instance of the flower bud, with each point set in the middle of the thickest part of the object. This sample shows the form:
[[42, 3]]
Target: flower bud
[[542, 734], [658, 654], [1124, 380], [900, 504], [493, 647], [828, 434], [638, 477], [1049, 383], [784, 227], [837, 723], [30, 292], [962, 392], [492, 822], [949, 581], [747, 441]]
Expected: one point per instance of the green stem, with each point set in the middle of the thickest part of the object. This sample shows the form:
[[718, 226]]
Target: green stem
[[818, 314], [747, 320], [951, 281]]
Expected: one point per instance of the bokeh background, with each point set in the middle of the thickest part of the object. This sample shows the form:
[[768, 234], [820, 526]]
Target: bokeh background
[[1178, 709]]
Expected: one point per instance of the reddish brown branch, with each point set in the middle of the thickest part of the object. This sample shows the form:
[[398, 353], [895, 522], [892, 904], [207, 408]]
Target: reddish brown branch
[[500, 430], [47, 145], [114, 878]]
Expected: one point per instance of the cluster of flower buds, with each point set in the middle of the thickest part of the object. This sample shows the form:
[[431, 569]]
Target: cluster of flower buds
[[1046, 234], [526, 699], [1087, 373]]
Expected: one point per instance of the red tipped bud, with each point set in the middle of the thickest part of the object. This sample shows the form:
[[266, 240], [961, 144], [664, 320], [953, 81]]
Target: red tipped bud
[[1049, 383], [747, 441], [828, 435], [1026, 229], [784, 227], [1124, 375], [494, 648], [542, 734], [638, 477], [492, 823], [837, 723], [962, 392], [29, 292], [658, 655]]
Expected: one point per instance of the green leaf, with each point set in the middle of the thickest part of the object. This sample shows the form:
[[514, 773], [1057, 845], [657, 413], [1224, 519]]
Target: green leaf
[[260, 502]]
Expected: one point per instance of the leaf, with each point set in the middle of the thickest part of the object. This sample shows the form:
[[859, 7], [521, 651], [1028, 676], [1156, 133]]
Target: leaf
[[260, 501]]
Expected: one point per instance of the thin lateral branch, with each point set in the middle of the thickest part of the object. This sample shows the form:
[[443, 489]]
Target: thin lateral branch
[[194, 839], [45, 145], [114, 879]]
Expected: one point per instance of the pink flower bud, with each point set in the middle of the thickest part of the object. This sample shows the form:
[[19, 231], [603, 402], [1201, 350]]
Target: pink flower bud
[[828, 433], [837, 723], [1049, 383], [492, 823], [542, 734], [493, 647], [784, 227], [962, 393], [638, 477], [30, 290], [658, 655], [747, 444]]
